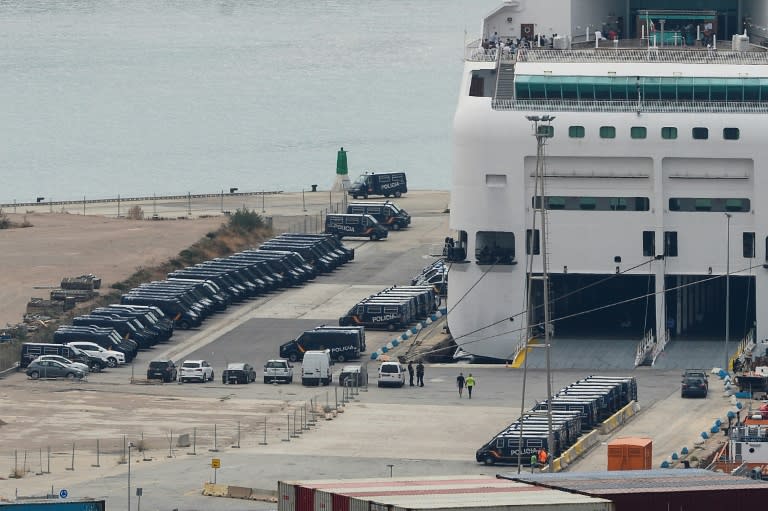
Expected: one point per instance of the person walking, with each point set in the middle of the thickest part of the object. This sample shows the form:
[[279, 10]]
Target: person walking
[[410, 371], [420, 374], [470, 381], [460, 383]]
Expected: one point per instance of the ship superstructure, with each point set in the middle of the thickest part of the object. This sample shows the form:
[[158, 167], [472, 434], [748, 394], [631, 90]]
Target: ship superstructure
[[655, 169]]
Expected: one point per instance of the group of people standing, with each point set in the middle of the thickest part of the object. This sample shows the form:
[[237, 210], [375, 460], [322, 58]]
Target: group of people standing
[[419, 374], [461, 381]]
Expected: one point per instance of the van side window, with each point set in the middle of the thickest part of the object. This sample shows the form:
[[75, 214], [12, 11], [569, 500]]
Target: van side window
[[374, 309], [352, 220], [390, 310]]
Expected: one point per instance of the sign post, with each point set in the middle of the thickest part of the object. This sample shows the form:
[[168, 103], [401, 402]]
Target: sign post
[[215, 465]]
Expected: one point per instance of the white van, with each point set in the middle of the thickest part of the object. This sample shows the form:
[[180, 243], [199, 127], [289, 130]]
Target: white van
[[316, 368], [391, 374]]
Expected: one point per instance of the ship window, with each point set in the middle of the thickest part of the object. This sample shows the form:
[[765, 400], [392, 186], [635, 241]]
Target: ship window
[[670, 243], [703, 204], [649, 243], [638, 132], [669, 133], [731, 133], [576, 131], [618, 203], [496, 180], [476, 86], [587, 203], [455, 251], [532, 242], [495, 247], [555, 202], [700, 133], [748, 244], [733, 205], [546, 131], [707, 204], [607, 132]]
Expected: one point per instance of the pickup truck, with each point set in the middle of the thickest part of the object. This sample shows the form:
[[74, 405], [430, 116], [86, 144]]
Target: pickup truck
[[278, 370]]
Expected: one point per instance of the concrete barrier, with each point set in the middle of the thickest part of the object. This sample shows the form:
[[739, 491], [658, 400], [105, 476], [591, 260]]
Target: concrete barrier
[[619, 418], [239, 492]]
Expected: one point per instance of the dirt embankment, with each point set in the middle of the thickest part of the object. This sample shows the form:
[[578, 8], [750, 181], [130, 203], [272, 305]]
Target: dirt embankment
[[35, 258]]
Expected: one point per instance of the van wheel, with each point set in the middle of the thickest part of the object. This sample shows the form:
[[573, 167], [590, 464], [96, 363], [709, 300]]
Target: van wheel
[[111, 362], [398, 194], [34, 375], [374, 237], [391, 327], [489, 460], [184, 324], [395, 227], [340, 359], [293, 357]]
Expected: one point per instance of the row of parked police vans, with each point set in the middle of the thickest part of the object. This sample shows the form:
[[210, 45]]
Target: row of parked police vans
[[576, 409], [149, 313], [371, 220], [393, 308]]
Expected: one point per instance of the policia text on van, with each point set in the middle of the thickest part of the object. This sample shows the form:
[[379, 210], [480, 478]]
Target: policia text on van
[[362, 226]]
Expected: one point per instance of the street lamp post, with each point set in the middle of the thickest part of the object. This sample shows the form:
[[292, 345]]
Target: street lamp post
[[727, 287], [130, 446]]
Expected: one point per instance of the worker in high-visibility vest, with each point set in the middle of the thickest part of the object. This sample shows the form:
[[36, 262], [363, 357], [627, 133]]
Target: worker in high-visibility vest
[[543, 456]]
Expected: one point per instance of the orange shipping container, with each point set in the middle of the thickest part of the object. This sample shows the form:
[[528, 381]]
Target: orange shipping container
[[630, 454]]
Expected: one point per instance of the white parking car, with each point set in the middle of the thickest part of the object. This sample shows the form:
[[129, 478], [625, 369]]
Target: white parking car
[[391, 374], [199, 370], [110, 357], [63, 360]]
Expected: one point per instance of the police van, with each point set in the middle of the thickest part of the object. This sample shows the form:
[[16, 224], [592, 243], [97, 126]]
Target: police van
[[377, 315], [507, 446], [354, 225], [342, 344], [386, 213], [386, 184]]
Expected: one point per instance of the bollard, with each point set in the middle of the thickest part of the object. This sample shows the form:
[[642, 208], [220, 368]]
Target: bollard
[[288, 431], [48, 469], [97, 455], [306, 421], [41, 464], [295, 433], [237, 446], [72, 466], [194, 442], [170, 445], [123, 457], [215, 441], [264, 442]]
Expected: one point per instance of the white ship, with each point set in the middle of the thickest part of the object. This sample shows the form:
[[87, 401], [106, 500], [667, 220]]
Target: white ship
[[654, 171]]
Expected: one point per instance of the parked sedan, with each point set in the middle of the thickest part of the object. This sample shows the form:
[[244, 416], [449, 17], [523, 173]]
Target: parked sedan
[[238, 372], [64, 360], [52, 369]]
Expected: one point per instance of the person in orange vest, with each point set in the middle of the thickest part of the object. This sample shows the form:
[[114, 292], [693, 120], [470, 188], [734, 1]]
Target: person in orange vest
[[543, 457]]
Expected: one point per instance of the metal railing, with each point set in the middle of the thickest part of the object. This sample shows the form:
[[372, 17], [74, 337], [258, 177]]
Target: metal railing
[[644, 348], [659, 346], [651, 54], [630, 106], [474, 52]]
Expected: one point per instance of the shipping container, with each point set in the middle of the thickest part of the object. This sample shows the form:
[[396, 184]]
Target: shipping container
[[630, 454], [482, 493], [659, 489]]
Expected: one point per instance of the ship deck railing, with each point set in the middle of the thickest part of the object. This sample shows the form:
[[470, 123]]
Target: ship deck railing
[[628, 50], [630, 106]]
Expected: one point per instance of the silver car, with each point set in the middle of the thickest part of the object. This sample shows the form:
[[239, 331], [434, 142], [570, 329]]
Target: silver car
[[64, 360], [52, 369]]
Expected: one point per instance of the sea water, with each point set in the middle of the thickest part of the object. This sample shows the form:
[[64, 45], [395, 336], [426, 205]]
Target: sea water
[[135, 97]]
